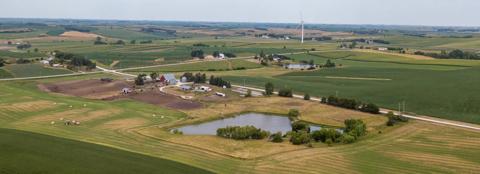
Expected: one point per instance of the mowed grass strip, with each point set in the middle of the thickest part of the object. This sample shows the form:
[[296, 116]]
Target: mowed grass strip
[[26, 152]]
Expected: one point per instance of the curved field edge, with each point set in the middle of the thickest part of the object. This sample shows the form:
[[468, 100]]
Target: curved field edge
[[48, 154]]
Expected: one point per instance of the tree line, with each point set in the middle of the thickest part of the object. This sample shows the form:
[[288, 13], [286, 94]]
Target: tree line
[[217, 81], [74, 61], [455, 54], [351, 104]]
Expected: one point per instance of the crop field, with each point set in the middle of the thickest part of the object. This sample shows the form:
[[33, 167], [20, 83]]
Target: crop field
[[429, 87], [128, 126], [36, 151], [5, 74], [31, 70], [204, 66]]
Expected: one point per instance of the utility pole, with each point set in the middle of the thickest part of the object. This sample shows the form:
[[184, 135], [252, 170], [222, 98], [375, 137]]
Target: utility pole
[[404, 110], [336, 93]]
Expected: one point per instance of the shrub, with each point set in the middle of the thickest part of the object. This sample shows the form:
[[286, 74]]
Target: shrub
[[370, 108], [325, 134], [301, 137], [393, 119], [306, 97], [285, 92], [276, 137], [178, 132], [355, 127], [293, 113], [299, 126], [348, 139]]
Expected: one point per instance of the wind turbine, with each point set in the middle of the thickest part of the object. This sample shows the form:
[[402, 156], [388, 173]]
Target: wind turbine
[[302, 28]]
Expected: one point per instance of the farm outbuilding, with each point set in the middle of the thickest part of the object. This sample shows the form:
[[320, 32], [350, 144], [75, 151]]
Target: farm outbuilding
[[168, 79]]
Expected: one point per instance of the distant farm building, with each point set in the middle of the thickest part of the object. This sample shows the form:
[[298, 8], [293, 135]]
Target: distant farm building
[[382, 49], [298, 66]]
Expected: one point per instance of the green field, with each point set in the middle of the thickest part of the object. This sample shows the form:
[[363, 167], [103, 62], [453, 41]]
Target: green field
[[429, 87], [31, 70], [226, 65], [48, 154], [5, 74], [423, 147]]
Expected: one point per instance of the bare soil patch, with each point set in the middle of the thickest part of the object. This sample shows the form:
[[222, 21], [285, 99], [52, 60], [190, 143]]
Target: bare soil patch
[[162, 99], [97, 89], [92, 89]]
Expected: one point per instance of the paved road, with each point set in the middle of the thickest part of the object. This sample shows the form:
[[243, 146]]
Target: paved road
[[385, 111]]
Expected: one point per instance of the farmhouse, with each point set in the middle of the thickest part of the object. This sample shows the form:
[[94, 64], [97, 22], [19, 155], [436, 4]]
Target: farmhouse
[[168, 79], [298, 66]]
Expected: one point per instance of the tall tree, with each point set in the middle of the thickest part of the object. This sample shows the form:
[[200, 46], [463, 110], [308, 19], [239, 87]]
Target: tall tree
[[269, 88]]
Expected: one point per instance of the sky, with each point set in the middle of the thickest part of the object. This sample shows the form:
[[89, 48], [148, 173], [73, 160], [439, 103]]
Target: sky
[[388, 12]]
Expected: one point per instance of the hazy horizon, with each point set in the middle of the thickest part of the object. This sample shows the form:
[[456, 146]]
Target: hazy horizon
[[366, 12]]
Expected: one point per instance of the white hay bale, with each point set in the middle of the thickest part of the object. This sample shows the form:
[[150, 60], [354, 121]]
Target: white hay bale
[[52, 123]]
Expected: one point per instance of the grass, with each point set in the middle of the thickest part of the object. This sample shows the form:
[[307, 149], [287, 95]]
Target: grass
[[31, 70], [4, 74], [129, 126], [48, 154], [429, 87]]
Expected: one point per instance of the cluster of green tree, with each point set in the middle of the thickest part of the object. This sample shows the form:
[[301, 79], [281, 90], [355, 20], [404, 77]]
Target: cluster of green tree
[[196, 78], [146, 42], [119, 42], [269, 89], [23, 61], [351, 104], [301, 134], [285, 92], [201, 45], [276, 137], [99, 41], [74, 61], [329, 64], [293, 113], [242, 133], [217, 81], [197, 53], [394, 119], [24, 46], [353, 130], [455, 54], [140, 79]]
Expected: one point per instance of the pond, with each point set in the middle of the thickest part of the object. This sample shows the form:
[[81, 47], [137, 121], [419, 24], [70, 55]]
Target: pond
[[271, 123]]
